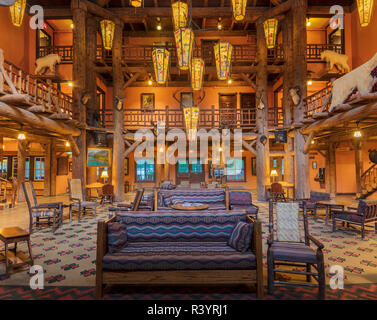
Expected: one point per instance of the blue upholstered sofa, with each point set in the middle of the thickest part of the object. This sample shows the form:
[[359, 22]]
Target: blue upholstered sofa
[[216, 199], [242, 200], [178, 248]]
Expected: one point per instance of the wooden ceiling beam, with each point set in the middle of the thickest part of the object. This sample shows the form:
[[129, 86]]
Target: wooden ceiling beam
[[198, 33]]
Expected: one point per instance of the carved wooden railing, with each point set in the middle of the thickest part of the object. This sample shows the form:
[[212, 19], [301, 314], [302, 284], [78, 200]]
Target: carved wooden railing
[[40, 92], [313, 51], [241, 53], [143, 54], [317, 102], [208, 118], [368, 181]]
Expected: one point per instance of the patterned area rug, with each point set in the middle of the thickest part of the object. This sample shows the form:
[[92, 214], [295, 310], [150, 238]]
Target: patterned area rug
[[68, 258]]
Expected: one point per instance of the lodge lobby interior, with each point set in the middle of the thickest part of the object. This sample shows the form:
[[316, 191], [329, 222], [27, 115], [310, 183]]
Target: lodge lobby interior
[[284, 204]]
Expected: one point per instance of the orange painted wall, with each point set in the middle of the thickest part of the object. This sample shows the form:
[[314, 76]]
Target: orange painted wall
[[364, 42]]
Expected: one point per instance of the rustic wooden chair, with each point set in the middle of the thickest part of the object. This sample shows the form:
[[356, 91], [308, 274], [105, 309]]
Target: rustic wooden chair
[[78, 202], [288, 249], [277, 192], [364, 214], [44, 213], [134, 206], [107, 193]]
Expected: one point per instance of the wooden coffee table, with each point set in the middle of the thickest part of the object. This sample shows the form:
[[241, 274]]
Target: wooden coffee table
[[332, 204], [179, 206]]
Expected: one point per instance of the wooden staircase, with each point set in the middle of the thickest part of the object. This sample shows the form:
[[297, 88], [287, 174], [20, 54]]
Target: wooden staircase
[[368, 182]]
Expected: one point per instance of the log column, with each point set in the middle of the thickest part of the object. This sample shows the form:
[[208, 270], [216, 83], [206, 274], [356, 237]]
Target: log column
[[118, 115], [50, 169], [287, 100], [79, 80], [331, 168], [263, 159], [358, 147], [21, 159], [299, 8]]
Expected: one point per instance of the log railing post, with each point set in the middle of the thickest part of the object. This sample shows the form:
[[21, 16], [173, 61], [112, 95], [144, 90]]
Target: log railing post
[[21, 159]]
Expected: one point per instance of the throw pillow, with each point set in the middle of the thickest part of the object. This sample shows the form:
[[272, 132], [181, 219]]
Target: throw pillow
[[240, 237], [116, 236]]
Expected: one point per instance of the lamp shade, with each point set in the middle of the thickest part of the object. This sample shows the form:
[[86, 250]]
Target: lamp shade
[[223, 57], [180, 14], [136, 3], [160, 57], [365, 8], [107, 31], [270, 31], [274, 173], [17, 11], [239, 9], [197, 72], [184, 39], [104, 174]]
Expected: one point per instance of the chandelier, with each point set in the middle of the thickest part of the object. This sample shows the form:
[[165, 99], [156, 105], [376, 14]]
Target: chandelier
[[270, 31], [107, 31], [160, 57], [136, 3], [184, 39], [223, 57], [197, 72], [239, 9], [17, 11], [180, 14], [365, 8]]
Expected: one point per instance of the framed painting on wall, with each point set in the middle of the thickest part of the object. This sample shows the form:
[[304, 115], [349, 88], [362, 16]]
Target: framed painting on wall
[[98, 157], [147, 101], [126, 168]]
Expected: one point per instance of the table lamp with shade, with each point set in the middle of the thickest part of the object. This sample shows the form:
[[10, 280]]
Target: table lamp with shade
[[104, 175], [274, 174]]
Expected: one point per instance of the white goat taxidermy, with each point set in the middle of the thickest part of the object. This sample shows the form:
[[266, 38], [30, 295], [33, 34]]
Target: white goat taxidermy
[[46, 62], [337, 59]]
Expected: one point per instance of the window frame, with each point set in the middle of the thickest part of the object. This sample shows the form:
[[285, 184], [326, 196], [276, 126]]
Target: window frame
[[35, 168], [145, 171], [244, 171]]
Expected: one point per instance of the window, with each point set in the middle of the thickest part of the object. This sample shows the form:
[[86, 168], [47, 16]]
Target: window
[[196, 167], [183, 166], [145, 171], [253, 166], [39, 168], [15, 168], [235, 170], [4, 168]]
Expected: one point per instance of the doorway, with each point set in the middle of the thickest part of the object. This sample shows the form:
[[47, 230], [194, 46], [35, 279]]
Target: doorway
[[248, 108], [228, 109]]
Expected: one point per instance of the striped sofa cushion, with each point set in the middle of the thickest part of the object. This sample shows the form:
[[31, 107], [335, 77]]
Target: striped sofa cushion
[[116, 236], [240, 198], [198, 196], [179, 256], [240, 238], [180, 226]]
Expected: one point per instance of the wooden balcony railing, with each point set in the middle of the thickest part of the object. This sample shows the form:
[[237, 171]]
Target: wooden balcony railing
[[242, 54], [313, 51], [143, 54], [208, 118], [40, 92], [317, 102]]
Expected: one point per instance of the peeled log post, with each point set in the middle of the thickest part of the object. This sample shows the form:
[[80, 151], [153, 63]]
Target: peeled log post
[[118, 116], [302, 182], [263, 157], [37, 121], [79, 79], [308, 143], [21, 159]]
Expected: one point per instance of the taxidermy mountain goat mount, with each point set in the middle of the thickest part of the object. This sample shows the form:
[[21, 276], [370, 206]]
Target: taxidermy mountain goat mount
[[336, 59], [47, 62]]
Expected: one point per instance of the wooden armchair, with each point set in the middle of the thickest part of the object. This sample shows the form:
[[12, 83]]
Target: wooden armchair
[[134, 206], [288, 249], [277, 192], [44, 213], [107, 193], [364, 214], [78, 202]]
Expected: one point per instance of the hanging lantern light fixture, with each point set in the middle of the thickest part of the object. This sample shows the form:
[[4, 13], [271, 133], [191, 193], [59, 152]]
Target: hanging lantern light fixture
[[136, 3], [184, 39], [191, 115], [197, 72], [17, 11], [270, 31], [239, 9], [107, 31], [223, 57], [365, 8], [160, 57], [180, 14]]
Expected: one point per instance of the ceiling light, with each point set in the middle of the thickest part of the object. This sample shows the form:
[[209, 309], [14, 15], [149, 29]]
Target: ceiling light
[[70, 84], [21, 136], [67, 144], [72, 26], [312, 142], [308, 23], [219, 25], [159, 26], [310, 82], [230, 81], [357, 134]]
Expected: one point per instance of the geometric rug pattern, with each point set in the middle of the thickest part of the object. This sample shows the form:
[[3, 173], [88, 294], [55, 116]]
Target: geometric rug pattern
[[68, 258]]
